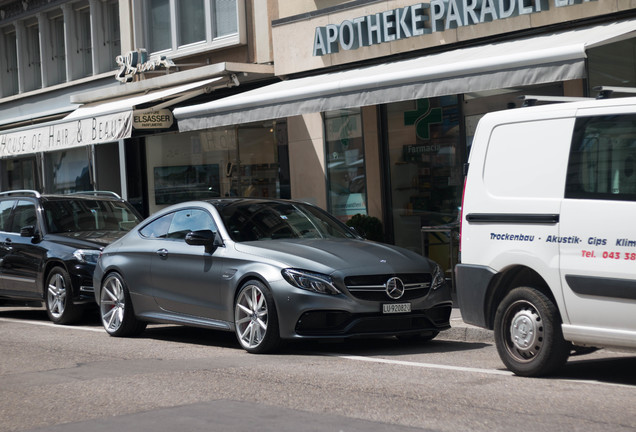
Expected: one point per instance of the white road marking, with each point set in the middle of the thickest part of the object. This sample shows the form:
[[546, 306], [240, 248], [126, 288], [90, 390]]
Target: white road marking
[[50, 324], [423, 365]]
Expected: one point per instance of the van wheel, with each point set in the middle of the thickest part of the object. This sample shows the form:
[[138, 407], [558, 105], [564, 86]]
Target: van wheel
[[528, 333]]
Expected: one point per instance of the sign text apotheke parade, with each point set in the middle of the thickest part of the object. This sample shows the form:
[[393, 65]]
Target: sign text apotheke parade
[[422, 18]]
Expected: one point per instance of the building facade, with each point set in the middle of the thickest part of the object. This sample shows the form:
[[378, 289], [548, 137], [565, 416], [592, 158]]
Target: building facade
[[360, 106]]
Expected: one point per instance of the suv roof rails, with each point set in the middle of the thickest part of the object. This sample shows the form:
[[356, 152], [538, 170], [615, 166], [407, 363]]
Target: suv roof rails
[[531, 100], [29, 192], [605, 92], [97, 193]]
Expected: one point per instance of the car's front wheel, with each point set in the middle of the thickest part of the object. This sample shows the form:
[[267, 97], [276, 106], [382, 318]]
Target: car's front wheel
[[255, 318], [528, 333], [116, 309], [59, 298]]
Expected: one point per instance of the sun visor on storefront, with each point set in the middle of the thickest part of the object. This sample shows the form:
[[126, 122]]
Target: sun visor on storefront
[[92, 123], [539, 59]]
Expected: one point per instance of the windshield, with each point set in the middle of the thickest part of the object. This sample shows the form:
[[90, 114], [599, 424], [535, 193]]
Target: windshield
[[250, 221], [88, 215]]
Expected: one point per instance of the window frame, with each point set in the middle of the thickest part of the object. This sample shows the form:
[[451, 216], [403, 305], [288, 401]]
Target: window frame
[[142, 34]]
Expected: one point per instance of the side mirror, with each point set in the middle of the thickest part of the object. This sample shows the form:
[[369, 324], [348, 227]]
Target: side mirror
[[27, 231], [208, 238]]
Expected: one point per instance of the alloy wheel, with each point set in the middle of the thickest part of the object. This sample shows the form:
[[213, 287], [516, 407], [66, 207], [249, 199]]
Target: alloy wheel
[[112, 304]]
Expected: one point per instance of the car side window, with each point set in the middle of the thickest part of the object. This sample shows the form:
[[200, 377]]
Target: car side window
[[602, 161], [5, 214], [188, 220], [23, 215], [157, 228]]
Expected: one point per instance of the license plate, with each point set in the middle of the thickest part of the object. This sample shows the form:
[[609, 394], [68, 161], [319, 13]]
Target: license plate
[[391, 308]]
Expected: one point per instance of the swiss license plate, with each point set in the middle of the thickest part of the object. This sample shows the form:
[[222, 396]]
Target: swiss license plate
[[391, 308]]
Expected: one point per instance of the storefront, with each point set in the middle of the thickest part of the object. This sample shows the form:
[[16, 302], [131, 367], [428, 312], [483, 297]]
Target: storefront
[[124, 139], [383, 126]]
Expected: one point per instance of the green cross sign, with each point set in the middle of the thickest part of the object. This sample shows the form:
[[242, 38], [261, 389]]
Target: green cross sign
[[423, 117]]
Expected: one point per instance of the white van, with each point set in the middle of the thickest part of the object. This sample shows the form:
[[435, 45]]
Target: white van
[[548, 234]]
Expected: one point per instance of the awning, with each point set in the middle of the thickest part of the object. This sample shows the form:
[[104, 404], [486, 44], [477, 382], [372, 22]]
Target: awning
[[533, 60], [94, 123]]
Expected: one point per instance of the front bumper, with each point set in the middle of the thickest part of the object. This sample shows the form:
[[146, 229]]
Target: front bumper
[[306, 315]]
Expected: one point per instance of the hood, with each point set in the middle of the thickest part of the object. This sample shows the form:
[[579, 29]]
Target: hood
[[346, 256], [92, 239]]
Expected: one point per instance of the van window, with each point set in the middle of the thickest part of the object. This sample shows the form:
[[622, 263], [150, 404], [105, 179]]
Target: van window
[[602, 162]]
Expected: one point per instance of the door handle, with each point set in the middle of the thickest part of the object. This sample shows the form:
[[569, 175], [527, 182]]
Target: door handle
[[163, 253]]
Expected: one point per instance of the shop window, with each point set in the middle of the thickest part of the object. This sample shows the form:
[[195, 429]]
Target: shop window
[[8, 62], [67, 171], [191, 25], [425, 172], [612, 65], [18, 174], [232, 161], [347, 187]]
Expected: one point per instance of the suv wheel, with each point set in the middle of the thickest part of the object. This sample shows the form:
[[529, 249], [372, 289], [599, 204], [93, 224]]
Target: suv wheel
[[59, 298], [528, 333]]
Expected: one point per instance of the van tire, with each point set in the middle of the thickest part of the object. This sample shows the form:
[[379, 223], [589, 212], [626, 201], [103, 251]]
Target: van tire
[[528, 333]]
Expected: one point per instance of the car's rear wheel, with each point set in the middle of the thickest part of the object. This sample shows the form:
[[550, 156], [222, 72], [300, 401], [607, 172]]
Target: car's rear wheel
[[528, 333], [59, 298], [255, 318], [116, 309]]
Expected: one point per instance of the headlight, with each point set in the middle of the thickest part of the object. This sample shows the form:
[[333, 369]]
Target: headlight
[[438, 277], [88, 256], [315, 282]]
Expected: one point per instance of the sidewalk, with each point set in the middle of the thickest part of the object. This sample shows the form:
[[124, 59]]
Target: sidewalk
[[460, 331]]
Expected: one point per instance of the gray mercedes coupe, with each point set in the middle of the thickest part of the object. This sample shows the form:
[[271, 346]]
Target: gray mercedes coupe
[[269, 270]]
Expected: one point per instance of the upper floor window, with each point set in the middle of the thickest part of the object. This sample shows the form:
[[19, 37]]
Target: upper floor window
[[191, 25], [8, 62], [57, 43]]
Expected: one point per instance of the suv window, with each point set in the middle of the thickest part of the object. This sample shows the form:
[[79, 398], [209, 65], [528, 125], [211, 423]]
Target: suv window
[[88, 215], [602, 161], [5, 214], [23, 215]]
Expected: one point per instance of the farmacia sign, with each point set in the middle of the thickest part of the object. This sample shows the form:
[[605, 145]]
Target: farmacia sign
[[423, 18]]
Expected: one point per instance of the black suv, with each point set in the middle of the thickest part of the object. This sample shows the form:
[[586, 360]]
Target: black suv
[[49, 245]]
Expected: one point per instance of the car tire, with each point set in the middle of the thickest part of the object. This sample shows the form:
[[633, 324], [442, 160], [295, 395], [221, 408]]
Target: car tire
[[528, 333], [255, 318], [116, 309], [58, 298]]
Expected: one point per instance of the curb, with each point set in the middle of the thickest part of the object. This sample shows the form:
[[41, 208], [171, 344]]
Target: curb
[[467, 334]]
